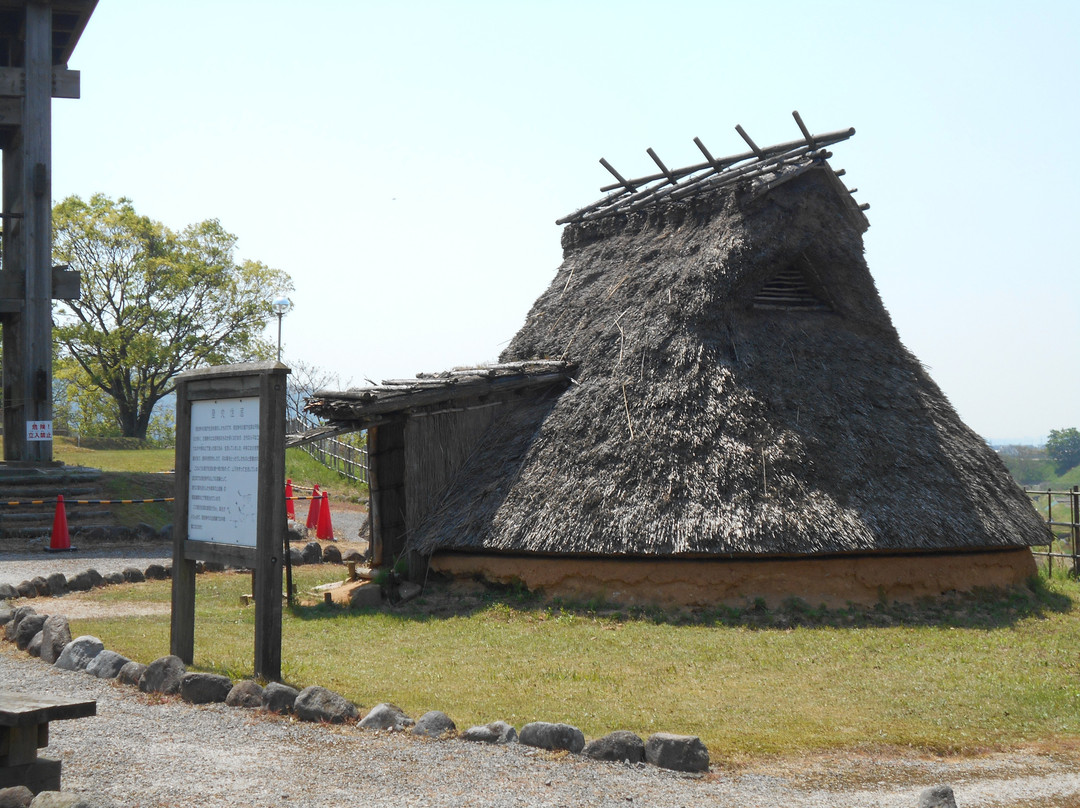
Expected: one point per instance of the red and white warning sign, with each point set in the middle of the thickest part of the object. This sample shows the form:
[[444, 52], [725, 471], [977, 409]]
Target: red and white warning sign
[[39, 430]]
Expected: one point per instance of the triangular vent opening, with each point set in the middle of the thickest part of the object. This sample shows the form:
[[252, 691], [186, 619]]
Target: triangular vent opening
[[788, 290]]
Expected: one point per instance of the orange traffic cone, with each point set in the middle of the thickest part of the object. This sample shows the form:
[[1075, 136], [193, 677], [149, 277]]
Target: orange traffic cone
[[290, 507], [313, 509], [61, 539], [325, 530]]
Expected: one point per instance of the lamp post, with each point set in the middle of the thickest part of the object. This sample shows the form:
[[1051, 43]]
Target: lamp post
[[281, 305]]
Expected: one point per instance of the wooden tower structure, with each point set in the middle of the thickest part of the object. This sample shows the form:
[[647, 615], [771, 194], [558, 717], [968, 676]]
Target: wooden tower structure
[[37, 37]]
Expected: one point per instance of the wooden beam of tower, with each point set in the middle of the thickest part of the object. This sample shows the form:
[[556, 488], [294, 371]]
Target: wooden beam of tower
[[65, 286], [64, 83], [27, 245]]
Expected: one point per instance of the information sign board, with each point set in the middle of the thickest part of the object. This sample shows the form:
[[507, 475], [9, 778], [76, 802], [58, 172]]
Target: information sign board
[[230, 495], [223, 471]]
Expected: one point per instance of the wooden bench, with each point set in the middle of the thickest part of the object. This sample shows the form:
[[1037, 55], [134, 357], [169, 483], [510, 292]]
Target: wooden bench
[[24, 728]]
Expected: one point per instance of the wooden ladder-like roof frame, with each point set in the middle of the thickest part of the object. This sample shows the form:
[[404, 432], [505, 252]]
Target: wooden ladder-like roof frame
[[763, 167]]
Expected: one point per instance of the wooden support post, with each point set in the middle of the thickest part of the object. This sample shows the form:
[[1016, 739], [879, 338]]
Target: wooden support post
[[1076, 528], [271, 525], [1049, 523]]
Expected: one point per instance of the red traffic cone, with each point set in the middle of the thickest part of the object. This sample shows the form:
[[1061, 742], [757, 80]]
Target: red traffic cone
[[313, 510], [290, 507], [325, 530], [61, 539]]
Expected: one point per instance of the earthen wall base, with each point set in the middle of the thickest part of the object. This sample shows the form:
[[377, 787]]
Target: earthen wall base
[[697, 583]]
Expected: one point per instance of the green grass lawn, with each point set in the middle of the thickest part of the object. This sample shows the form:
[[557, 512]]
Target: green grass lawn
[[959, 675]]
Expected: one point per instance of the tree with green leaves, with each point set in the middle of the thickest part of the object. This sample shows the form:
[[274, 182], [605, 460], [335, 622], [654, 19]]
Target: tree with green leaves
[[1063, 447], [155, 302]]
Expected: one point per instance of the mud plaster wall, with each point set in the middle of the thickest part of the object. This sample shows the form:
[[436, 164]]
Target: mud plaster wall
[[706, 582]]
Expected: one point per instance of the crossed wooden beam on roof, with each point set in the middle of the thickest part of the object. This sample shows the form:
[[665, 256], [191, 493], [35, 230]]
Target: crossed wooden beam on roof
[[630, 195]]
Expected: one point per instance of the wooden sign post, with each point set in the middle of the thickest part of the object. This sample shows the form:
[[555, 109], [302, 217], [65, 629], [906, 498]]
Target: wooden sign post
[[230, 494]]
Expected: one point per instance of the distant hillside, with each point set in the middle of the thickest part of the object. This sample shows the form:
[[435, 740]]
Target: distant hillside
[[1031, 467]]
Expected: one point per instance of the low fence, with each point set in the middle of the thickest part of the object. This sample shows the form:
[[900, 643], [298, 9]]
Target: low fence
[[1056, 507], [337, 455]]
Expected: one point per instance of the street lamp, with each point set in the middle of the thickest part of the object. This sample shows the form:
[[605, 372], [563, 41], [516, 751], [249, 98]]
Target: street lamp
[[281, 305]]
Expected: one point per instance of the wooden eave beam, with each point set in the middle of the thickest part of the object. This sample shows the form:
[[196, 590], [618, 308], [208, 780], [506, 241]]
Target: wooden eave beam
[[350, 406], [70, 18]]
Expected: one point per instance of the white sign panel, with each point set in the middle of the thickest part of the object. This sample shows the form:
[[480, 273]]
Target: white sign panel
[[223, 466], [39, 430]]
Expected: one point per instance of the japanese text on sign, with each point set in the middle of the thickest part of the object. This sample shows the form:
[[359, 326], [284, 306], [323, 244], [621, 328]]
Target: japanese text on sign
[[39, 430], [223, 471]]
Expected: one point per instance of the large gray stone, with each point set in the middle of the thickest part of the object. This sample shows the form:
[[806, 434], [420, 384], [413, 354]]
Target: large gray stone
[[495, 732], [937, 797], [131, 673], [163, 675], [552, 736], [16, 797], [156, 572], [366, 596], [56, 634], [133, 575], [386, 716], [79, 653], [296, 558], [26, 589], [279, 698], [316, 703], [34, 648], [681, 753], [8, 592], [82, 582], [312, 553], [57, 584], [97, 580], [331, 554], [113, 578], [6, 612], [621, 745], [17, 616], [245, 693], [107, 664], [433, 724], [28, 627], [41, 585], [204, 688]]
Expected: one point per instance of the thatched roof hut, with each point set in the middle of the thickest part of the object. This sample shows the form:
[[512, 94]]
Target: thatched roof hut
[[738, 393]]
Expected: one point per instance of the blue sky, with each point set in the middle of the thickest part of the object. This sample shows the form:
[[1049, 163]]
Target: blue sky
[[405, 162]]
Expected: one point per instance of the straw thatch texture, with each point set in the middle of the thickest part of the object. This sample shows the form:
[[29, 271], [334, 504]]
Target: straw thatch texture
[[702, 425]]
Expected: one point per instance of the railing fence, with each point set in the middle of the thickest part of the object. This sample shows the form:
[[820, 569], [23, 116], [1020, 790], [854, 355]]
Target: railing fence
[[344, 458], [1067, 534]]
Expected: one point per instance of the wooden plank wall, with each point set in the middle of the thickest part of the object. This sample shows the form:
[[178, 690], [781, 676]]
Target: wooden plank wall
[[436, 446]]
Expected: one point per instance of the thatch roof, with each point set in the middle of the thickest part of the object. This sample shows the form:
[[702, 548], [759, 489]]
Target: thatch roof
[[740, 389]]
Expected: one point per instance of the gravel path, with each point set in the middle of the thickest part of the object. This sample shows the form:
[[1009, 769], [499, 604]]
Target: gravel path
[[140, 751], [147, 752]]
